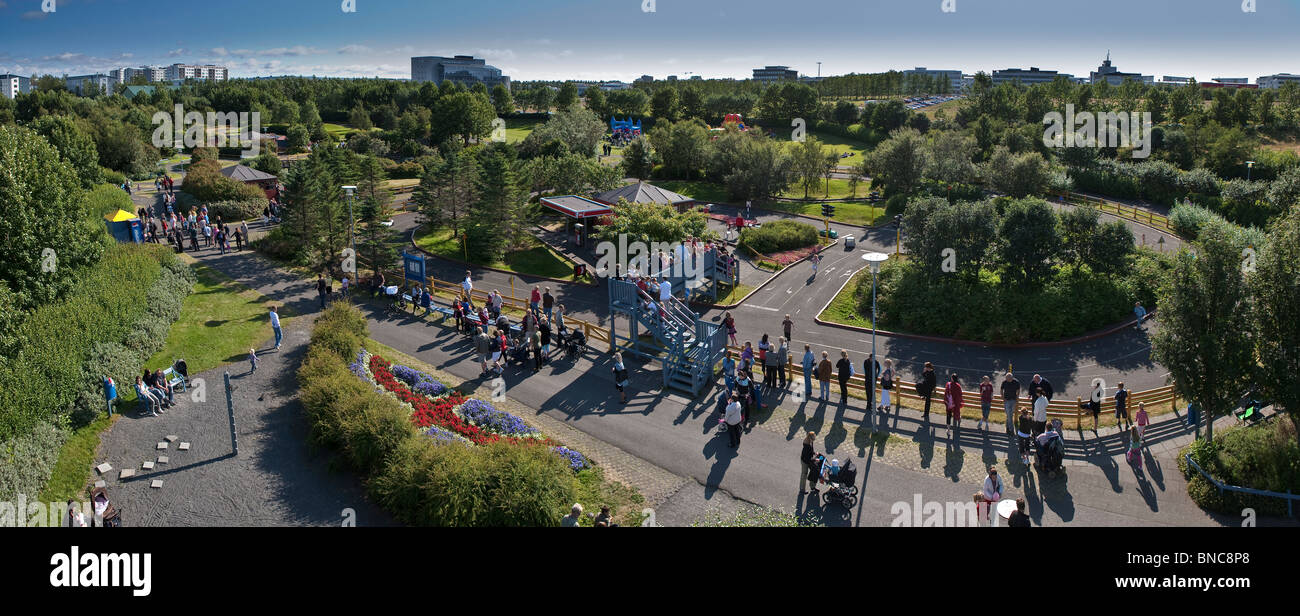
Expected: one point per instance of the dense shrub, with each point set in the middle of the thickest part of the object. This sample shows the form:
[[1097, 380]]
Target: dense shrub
[[1187, 220], [109, 176], [27, 461], [233, 211], [205, 181], [779, 236], [1264, 457]]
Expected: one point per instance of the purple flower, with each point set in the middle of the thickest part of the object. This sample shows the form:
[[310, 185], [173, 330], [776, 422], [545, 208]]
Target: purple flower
[[419, 382], [486, 416], [576, 460], [443, 437]]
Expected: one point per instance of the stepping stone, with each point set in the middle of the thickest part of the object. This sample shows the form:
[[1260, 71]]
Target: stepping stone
[[162, 445], [127, 472], [162, 459], [104, 468], [100, 484], [171, 438], [157, 483], [148, 466], [184, 446]]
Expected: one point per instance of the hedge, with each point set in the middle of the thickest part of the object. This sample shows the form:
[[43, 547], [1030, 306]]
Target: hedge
[[418, 480], [234, 211], [114, 320], [779, 236], [1264, 457]]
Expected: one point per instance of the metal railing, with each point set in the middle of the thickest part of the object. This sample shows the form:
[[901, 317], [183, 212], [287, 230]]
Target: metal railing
[[1223, 487]]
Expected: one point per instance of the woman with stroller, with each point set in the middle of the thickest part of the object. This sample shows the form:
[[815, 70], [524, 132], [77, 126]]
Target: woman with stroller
[[811, 468]]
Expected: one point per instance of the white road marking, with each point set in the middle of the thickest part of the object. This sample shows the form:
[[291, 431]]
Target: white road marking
[[765, 308]]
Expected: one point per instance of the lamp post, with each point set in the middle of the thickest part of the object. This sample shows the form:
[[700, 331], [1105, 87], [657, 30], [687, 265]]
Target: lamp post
[[1249, 164], [874, 259], [350, 191], [898, 238]]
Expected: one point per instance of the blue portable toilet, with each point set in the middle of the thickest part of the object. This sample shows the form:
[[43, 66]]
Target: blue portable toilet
[[125, 227]]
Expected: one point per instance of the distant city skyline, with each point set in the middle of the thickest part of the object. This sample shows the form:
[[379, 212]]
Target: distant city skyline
[[616, 40]]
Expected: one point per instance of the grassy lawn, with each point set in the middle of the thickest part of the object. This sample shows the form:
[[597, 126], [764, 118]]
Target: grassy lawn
[[950, 108], [518, 129], [851, 213], [737, 293], [339, 130], [593, 488], [72, 471], [842, 309], [536, 260], [219, 322], [403, 183], [835, 189]]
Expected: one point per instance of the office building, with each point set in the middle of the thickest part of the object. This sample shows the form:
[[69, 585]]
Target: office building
[[1112, 75], [84, 85], [954, 78], [1277, 80], [463, 70], [1027, 77], [13, 85], [770, 74]]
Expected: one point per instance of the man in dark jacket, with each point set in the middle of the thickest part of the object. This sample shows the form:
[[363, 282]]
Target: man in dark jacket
[[926, 387], [811, 469], [1010, 396], [1043, 384], [845, 370], [872, 367]]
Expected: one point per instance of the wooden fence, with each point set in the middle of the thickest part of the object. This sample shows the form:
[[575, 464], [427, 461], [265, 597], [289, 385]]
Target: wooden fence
[[1128, 212], [903, 390]]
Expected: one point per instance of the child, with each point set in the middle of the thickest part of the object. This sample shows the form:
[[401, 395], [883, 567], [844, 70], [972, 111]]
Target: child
[[1024, 430], [1135, 447], [1142, 421], [252, 359], [986, 400]]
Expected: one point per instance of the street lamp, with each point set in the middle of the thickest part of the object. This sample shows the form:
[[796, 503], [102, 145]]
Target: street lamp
[[898, 238], [350, 191], [874, 259], [1249, 164]]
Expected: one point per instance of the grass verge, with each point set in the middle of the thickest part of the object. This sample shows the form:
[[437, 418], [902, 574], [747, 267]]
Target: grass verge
[[536, 260], [72, 471]]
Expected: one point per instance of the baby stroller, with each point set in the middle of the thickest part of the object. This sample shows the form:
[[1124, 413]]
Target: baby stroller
[[840, 488], [1051, 453], [573, 341], [105, 513], [518, 350]]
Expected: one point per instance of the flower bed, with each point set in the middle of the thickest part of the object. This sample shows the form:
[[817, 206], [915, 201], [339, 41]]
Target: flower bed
[[448, 416]]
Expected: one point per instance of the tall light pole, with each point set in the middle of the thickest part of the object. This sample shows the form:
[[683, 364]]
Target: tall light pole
[[898, 237], [1249, 164], [351, 191], [874, 259]]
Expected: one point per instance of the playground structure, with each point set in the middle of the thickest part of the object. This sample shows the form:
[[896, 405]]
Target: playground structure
[[688, 347], [625, 129], [734, 118]]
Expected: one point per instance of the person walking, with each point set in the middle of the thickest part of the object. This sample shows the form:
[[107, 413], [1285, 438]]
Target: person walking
[[275, 326], [1121, 407], [545, 329], [620, 377], [986, 401], [763, 347], [1043, 385], [809, 362], [926, 387], [343, 287], [824, 376], [1025, 434], [537, 351], [321, 289], [782, 361], [252, 360], [747, 356], [886, 385], [787, 326], [844, 367], [815, 260], [1010, 396], [745, 391], [482, 347], [729, 372], [952, 402], [535, 299], [729, 322], [811, 470], [734, 419], [1142, 421], [1140, 312]]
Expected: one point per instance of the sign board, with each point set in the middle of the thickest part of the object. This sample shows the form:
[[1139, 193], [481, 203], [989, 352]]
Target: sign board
[[414, 267]]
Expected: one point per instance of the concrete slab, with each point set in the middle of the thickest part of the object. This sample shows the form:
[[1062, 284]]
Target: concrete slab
[[157, 483], [104, 468], [162, 445], [172, 438], [184, 447], [148, 466], [100, 484], [162, 459], [127, 473]]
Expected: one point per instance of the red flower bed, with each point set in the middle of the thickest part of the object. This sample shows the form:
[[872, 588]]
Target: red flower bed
[[790, 256], [429, 412]]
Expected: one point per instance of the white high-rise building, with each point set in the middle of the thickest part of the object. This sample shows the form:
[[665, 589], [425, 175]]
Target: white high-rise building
[[181, 72], [13, 85], [1276, 80]]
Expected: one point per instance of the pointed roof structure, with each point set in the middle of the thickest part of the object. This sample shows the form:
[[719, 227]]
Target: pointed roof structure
[[244, 173], [642, 192]]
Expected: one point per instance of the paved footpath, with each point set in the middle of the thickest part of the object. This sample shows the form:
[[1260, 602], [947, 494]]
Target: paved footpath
[[666, 444]]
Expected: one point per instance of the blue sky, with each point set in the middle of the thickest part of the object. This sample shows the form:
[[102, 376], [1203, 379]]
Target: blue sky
[[616, 39]]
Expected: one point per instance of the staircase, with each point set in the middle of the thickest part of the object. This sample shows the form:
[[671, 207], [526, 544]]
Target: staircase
[[688, 347]]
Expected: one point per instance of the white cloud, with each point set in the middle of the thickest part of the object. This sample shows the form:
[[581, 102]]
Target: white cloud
[[354, 49]]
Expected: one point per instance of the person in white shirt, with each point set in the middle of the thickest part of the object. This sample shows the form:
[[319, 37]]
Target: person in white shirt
[[734, 417], [468, 286], [1040, 414], [665, 290], [992, 490], [275, 326]]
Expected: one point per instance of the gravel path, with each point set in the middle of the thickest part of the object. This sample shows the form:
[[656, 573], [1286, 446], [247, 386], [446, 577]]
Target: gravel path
[[276, 480]]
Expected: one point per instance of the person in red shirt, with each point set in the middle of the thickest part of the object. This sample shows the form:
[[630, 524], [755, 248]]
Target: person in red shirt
[[952, 401], [535, 300], [986, 400]]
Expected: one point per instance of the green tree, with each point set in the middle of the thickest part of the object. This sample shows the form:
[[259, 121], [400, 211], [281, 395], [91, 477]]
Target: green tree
[[359, 118], [751, 166], [596, 101], [49, 232], [1110, 248], [1028, 239], [543, 97], [898, 162], [297, 138], [567, 96], [577, 128], [637, 160], [502, 101], [1275, 285], [448, 192], [74, 145], [499, 219], [1205, 338], [846, 113], [376, 239], [1017, 175], [464, 114], [693, 104], [682, 146], [627, 103], [950, 159], [666, 105]]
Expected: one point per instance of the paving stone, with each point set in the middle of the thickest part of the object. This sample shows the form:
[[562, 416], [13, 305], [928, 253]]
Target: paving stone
[[104, 468], [162, 445], [171, 438], [100, 483], [162, 459], [184, 446], [126, 473], [148, 466], [157, 483]]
